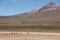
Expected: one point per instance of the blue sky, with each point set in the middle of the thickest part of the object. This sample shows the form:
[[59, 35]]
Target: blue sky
[[12, 7]]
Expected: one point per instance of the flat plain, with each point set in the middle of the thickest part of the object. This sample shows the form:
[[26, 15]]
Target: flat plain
[[29, 36]]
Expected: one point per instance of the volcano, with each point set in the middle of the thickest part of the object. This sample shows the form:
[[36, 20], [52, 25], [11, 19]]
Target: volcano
[[48, 15]]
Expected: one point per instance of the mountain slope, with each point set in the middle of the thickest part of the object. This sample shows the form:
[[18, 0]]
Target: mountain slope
[[47, 15]]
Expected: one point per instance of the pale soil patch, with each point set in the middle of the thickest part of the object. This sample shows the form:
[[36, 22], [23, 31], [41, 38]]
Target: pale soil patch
[[29, 36]]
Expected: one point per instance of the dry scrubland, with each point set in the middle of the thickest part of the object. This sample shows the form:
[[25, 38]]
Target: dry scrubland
[[31, 28]]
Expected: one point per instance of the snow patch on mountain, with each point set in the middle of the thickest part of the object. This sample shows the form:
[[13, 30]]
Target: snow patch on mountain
[[48, 7]]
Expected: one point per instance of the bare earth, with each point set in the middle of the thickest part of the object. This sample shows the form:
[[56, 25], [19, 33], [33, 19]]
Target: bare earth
[[29, 36]]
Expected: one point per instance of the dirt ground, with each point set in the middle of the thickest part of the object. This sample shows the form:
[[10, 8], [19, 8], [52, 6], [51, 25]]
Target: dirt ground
[[29, 36]]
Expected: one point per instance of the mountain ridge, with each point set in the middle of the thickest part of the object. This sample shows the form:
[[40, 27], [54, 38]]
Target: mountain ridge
[[47, 15]]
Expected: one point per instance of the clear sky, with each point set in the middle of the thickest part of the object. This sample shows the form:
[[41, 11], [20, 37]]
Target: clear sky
[[12, 7]]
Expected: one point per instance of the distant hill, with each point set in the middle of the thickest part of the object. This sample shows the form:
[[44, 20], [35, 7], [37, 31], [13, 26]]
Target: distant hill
[[49, 14]]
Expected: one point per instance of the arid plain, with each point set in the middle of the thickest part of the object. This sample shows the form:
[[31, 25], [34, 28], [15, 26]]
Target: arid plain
[[29, 36], [38, 24]]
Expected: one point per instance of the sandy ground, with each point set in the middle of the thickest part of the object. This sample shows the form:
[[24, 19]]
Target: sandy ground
[[29, 36]]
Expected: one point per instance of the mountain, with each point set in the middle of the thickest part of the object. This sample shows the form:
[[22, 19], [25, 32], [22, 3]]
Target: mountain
[[48, 15]]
